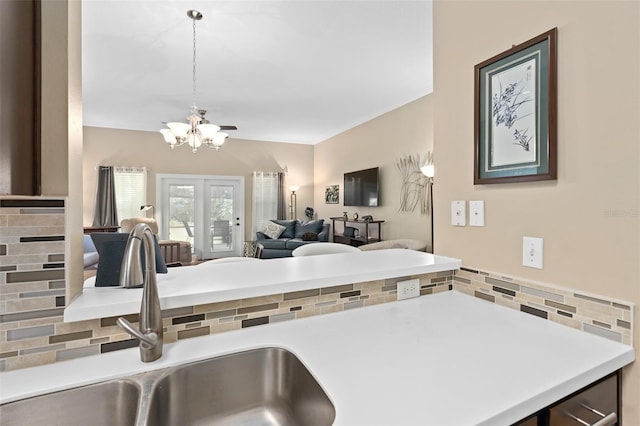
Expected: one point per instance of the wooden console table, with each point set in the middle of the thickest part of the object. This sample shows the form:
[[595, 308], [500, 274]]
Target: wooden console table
[[369, 231]]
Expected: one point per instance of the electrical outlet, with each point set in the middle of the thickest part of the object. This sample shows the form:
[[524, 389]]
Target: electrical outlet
[[408, 289]]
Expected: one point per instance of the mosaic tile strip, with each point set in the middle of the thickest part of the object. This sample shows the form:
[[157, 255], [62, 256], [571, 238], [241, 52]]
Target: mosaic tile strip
[[612, 319]]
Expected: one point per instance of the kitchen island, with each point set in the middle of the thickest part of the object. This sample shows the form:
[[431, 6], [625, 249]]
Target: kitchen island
[[212, 282], [442, 359]]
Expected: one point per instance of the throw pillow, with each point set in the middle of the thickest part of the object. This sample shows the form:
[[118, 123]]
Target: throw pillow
[[110, 246], [273, 230], [310, 236], [310, 226], [290, 226]]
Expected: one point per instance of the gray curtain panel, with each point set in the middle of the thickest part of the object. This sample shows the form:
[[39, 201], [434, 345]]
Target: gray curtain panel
[[105, 213], [282, 197]]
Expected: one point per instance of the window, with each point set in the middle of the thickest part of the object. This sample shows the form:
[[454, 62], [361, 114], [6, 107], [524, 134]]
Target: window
[[131, 190]]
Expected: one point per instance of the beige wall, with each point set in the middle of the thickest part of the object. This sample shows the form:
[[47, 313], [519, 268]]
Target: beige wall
[[236, 158], [589, 217], [407, 130], [61, 97]]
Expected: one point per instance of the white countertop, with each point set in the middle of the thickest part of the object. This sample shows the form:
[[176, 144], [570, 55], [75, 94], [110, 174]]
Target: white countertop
[[211, 282], [443, 359]]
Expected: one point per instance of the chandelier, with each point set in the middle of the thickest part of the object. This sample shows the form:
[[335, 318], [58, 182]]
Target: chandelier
[[198, 130]]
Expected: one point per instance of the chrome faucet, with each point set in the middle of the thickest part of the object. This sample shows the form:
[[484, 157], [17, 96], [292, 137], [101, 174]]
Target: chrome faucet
[[150, 333]]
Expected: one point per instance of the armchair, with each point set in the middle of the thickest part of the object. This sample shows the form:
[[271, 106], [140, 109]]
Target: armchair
[[173, 252]]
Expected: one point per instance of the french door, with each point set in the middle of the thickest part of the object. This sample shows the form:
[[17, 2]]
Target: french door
[[207, 211]]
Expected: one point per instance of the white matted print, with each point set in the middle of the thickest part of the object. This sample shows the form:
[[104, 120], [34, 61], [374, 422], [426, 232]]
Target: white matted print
[[332, 194], [513, 109]]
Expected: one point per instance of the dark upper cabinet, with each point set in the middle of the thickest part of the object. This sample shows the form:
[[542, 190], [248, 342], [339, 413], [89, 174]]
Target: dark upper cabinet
[[20, 97]]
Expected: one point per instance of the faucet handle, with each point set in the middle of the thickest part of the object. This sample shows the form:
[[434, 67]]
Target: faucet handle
[[150, 338]]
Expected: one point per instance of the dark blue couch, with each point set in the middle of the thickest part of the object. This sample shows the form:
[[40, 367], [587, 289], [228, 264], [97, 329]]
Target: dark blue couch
[[291, 237]]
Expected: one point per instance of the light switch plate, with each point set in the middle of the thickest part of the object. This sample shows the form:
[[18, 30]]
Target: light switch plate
[[532, 252], [476, 213], [459, 213]]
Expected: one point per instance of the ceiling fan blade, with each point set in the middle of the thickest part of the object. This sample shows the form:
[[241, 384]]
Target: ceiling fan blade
[[221, 127]]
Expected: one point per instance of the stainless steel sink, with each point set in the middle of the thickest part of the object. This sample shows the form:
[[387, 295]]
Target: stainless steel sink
[[109, 403], [260, 387], [268, 386]]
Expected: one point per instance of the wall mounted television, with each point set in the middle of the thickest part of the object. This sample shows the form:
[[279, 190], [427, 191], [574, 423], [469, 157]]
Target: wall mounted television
[[361, 188]]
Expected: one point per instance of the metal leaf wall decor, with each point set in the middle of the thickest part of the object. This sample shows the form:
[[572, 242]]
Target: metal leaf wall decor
[[413, 192]]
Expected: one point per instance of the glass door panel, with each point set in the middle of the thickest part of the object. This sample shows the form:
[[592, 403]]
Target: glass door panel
[[181, 211], [223, 218], [220, 219]]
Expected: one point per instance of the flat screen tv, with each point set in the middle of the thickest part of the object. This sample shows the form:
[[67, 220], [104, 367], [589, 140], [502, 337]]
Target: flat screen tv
[[361, 188]]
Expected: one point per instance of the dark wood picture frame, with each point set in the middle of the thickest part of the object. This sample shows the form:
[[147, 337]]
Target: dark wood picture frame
[[515, 113]]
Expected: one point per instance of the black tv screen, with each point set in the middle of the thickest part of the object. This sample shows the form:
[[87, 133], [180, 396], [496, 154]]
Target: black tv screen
[[361, 188]]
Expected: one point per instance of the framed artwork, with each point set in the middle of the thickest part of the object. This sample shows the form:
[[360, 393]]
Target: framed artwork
[[515, 113], [332, 194]]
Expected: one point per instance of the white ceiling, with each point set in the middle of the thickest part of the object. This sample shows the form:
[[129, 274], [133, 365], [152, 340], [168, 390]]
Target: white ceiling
[[287, 71]]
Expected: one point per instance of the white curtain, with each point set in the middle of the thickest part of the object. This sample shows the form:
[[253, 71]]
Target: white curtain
[[265, 199], [131, 190]]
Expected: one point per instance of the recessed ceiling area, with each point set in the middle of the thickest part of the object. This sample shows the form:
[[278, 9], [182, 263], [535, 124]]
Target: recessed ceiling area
[[283, 71]]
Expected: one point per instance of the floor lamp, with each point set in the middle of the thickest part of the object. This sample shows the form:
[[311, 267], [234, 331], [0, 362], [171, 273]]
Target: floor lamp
[[294, 200], [429, 171]]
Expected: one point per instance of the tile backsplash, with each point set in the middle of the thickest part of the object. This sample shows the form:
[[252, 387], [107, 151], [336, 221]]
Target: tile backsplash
[[32, 272], [594, 314], [32, 298]]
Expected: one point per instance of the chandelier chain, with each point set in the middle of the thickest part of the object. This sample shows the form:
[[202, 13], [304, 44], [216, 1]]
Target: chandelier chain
[[194, 66]]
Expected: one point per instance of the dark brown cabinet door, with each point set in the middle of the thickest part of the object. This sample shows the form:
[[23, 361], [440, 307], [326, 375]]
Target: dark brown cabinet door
[[19, 97]]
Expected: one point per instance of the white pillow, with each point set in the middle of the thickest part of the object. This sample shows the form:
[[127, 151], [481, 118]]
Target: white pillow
[[273, 230]]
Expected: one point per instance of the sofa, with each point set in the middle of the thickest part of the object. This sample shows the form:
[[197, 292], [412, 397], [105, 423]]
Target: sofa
[[90, 254], [280, 237]]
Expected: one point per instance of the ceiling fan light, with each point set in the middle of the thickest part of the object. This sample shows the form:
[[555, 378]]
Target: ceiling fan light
[[194, 141], [208, 130], [198, 130], [194, 120], [219, 138], [180, 130], [169, 137]]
